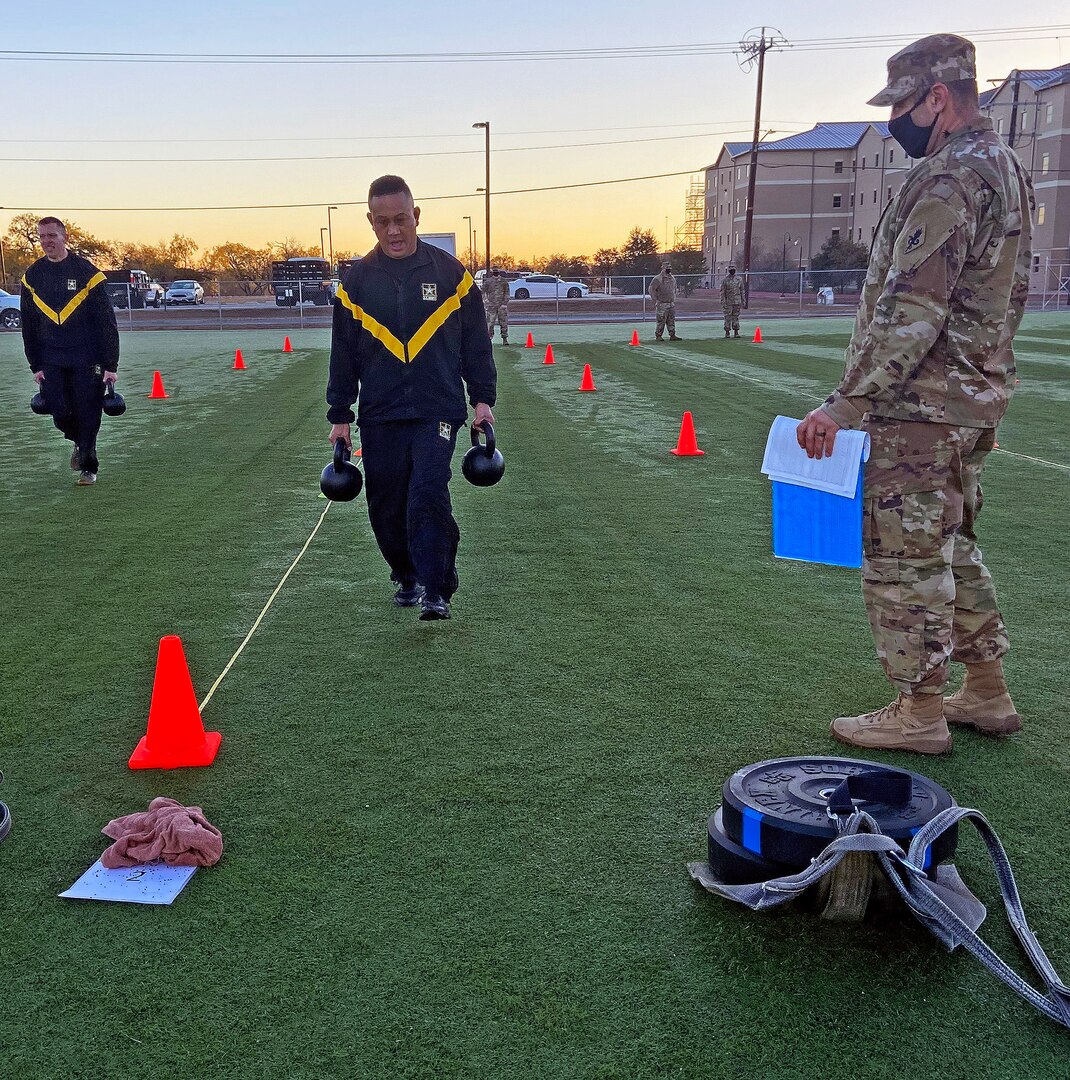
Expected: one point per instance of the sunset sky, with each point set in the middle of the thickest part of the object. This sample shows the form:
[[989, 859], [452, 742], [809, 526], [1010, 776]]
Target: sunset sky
[[661, 114]]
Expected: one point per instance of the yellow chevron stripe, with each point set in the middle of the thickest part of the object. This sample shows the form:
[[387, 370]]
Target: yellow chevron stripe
[[442, 313], [375, 328], [72, 305], [76, 301]]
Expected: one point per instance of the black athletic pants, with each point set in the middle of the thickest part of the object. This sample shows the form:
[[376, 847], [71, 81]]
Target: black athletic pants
[[75, 397], [406, 476]]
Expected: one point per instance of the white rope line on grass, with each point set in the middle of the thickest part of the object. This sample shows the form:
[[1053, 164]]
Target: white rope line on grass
[[1026, 457], [264, 611]]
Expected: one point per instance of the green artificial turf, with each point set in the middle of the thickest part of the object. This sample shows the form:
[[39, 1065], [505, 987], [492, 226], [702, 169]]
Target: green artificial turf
[[458, 849]]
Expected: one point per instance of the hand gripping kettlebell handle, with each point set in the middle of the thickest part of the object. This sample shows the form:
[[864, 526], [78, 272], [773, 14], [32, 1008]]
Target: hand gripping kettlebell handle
[[341, 454], [488, 431]]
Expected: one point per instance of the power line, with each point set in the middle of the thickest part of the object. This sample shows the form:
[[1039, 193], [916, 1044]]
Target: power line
[[345, 202], [1008, 33], [363, 157]]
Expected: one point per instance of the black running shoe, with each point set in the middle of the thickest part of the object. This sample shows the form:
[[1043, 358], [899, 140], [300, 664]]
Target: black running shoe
[[408, 595], [433, 607]]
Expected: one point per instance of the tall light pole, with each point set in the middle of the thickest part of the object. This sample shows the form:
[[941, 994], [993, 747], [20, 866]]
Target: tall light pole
[[330, 237], [784, 258], [323, 245], [485, 124], [471, 249]]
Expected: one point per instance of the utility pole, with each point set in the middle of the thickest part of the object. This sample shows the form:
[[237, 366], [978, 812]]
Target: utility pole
[[750, 48]]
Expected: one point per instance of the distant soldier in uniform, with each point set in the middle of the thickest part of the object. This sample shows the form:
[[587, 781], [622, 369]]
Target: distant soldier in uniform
[[71, 341], [496, 302], [731, 301], [929, 371], [663, 292]]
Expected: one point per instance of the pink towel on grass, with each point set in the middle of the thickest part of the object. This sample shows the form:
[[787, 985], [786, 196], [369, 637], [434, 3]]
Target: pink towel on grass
[[180, 835]]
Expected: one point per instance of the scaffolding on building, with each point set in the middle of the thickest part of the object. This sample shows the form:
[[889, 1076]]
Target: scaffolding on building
[[688, 236]]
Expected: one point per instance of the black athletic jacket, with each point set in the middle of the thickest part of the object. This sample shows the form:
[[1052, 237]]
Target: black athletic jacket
[[404, 346], [67, 318]]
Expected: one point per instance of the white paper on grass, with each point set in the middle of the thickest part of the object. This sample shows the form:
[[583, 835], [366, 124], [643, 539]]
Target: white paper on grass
[[151, 883], [786, 462]]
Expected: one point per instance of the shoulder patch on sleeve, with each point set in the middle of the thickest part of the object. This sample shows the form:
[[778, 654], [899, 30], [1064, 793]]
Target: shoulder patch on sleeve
[[928, 227]]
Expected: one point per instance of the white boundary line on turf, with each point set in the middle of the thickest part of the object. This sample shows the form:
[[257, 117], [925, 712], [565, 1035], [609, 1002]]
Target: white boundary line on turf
[[796, 393], [264, 611]]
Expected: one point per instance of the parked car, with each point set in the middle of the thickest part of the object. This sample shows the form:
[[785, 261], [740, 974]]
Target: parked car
[[184, 292], [509, 275], [10, 311], [154, 294], [546, 286]]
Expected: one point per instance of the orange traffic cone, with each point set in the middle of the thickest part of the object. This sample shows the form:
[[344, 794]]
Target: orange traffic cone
[[239, 363], [357, 453], [176, 737], [157, 386], [635, 338], [549, 355], [530, 342], [587, 383], [286, 346], [758, 335], [995, 446], [687, 444]]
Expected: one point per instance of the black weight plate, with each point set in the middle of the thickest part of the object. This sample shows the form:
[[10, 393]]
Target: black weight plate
[[777, 808], [735, 865]]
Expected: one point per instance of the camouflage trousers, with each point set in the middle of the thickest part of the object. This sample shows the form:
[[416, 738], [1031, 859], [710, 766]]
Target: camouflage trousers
[[929, 597], [499, 314], [731, 316], [666, 314]]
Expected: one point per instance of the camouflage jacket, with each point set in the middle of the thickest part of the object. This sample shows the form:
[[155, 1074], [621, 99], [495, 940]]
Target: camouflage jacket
[[945, 291], [732, 291], [662, 288], [495, 291]]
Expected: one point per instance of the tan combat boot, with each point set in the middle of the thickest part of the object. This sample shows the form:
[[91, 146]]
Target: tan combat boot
[[912, 722], [983, 703]]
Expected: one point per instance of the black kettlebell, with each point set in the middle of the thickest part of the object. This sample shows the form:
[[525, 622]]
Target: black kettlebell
[[114, 403], [38, 403], [341, 480], [483, 465]]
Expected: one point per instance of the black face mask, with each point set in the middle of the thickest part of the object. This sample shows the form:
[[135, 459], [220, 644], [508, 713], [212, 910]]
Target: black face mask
[[912, 138]]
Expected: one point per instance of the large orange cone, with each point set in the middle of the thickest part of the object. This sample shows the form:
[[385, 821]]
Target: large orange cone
[[587, 383], [758, 335], [530, 344], [635, 338], [239, 363], [286, 346], [176, 737], [687, 444], [549, 355], [157, 386]]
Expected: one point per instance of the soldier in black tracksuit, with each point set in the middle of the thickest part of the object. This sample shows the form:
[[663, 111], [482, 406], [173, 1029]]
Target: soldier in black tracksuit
[[407, 331], [70, 337]]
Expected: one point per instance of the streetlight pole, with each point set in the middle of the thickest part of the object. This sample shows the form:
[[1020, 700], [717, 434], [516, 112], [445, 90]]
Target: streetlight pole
[[485, 124], [330, 237], [471, 249], [323, 244]]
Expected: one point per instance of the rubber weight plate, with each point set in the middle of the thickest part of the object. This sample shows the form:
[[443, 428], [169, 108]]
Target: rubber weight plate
[[777, 809], [733, 864]]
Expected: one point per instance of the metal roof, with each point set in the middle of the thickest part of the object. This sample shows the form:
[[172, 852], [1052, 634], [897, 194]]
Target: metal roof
[[831, 136]]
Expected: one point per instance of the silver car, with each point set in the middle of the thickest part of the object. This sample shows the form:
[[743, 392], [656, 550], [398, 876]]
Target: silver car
[[10, 311], [184, 292]]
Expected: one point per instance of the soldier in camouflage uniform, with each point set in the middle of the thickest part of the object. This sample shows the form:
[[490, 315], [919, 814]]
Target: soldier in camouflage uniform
[[928, 373], [496, 302], [731, 301], [662, 291]]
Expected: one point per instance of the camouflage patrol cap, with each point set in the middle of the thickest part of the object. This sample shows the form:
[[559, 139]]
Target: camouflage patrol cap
[[943, 58]]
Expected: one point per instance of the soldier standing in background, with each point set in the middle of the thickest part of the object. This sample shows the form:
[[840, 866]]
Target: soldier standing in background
[[662, 291], [928, 374], [731, 301], [496, 302]]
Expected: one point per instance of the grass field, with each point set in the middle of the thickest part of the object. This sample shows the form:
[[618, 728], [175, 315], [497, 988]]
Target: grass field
[[457, 849]]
